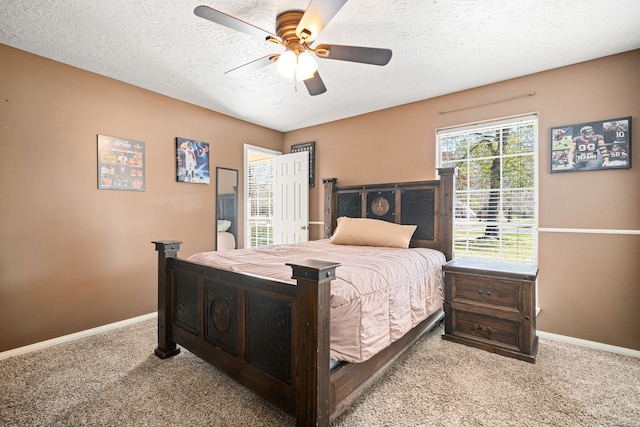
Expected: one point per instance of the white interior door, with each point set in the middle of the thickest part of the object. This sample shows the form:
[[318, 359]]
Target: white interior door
[[291, 209]]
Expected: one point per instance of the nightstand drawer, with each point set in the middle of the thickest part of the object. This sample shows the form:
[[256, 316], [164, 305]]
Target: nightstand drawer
[[486, 290], [491, 306], [480, 326]]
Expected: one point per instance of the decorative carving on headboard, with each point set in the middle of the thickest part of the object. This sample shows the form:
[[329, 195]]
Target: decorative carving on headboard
[[427, 204]]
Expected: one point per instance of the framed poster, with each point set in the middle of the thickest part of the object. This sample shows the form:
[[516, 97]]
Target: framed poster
[[310, 147], [120, 164], [192, 161], [600, 145]]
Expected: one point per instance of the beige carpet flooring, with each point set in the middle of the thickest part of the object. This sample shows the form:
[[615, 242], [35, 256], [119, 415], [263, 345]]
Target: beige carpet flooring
[[113, 379]]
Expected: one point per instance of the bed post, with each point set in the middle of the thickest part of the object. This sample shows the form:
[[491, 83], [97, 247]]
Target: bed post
[[329, 206], [166, 346], [447, 195], [311, 371]]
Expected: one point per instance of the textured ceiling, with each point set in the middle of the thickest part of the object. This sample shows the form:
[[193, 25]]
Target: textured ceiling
[[439, 47]]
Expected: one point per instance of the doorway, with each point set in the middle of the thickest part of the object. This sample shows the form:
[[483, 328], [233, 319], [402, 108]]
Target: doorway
[[277, 197]]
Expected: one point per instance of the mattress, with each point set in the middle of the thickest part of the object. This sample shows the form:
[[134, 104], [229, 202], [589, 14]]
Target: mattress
[[378, 295]]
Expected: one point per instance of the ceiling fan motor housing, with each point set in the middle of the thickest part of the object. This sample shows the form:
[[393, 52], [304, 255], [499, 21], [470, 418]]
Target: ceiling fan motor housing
[[286, 25]]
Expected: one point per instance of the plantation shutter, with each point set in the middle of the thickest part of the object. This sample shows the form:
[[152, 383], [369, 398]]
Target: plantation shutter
[[495, 213]]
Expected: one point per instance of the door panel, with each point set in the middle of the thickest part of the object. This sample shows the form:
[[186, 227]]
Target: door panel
[[291, 179]]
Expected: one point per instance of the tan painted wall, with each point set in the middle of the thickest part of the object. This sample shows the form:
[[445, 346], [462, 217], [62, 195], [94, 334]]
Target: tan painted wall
[[589, 284], [74, 257]]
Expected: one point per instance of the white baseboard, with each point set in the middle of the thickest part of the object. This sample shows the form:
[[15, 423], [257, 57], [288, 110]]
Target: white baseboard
[[48, 343], [589, 344]]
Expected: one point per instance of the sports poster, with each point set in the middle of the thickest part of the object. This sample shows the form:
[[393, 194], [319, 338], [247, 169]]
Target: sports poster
[[192, 161], [311, 148], [591, 146], [120, 164]]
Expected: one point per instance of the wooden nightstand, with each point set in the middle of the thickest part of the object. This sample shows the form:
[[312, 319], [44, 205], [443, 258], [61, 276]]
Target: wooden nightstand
[[492, 306]]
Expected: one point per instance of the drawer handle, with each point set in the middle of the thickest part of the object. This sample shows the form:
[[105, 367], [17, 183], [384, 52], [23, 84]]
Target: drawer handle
[[487, 293], [486, 331]]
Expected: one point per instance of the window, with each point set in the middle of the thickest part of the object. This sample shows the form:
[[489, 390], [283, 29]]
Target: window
[[259, 202], [495, 212]]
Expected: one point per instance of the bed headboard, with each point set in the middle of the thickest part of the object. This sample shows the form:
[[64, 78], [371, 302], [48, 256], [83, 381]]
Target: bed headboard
[[427, 204]]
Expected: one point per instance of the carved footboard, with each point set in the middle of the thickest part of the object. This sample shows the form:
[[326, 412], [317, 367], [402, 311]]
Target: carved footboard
[[271, 336]]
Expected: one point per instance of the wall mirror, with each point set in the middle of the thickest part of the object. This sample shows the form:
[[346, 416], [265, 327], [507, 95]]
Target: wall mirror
[[226, 209]]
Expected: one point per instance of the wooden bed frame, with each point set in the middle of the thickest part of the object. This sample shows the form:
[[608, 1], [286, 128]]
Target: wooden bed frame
[[273, 337]]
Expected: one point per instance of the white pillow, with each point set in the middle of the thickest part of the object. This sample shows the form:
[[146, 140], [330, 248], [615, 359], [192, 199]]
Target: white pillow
[[223, 225], [372, 232]]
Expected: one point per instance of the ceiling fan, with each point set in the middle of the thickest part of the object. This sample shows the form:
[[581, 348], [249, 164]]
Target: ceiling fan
[[296, 31]]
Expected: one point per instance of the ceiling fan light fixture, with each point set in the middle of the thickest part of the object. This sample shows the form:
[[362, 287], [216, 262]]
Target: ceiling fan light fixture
[[307, 65], [298, 66]]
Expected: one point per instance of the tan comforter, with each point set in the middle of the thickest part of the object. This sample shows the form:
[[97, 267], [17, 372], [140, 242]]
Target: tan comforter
[[378, 295]]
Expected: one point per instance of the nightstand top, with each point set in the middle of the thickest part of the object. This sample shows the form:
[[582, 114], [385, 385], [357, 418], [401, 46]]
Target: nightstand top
[[529, 272]]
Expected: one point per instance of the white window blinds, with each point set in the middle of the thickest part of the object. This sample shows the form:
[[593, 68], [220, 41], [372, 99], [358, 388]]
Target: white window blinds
[[496, 189], [260, 199]]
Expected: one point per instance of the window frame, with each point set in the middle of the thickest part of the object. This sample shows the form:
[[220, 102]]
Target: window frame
[[513, 222]]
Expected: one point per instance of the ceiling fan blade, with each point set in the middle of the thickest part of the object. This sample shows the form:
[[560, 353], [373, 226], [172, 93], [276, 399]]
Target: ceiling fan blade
[[315, 85], [364, 55], [229, 21], [252, 66], [316, 17]]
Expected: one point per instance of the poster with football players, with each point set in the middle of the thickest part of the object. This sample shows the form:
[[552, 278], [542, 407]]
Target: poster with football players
[[591, 146], [192, 161]]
